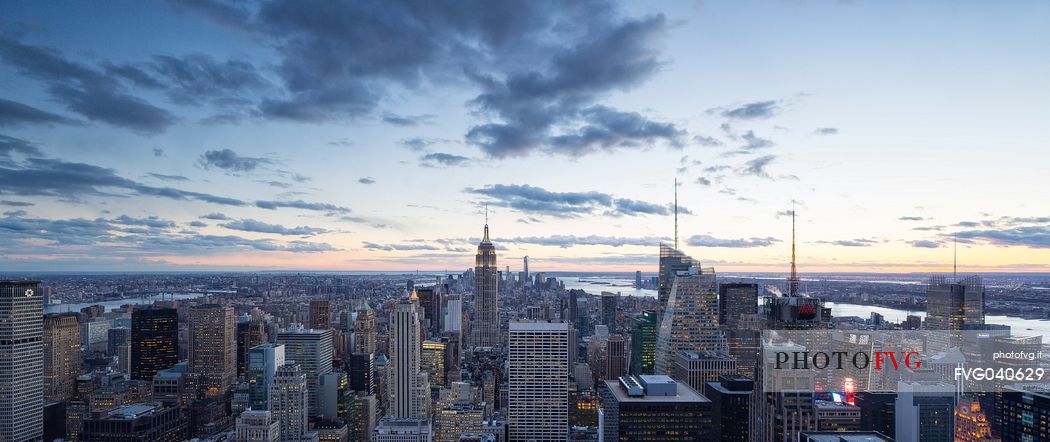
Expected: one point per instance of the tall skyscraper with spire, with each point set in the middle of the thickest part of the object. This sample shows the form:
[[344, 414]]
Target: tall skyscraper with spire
[[690, 320], [410, 387], [793, 279], [486, 305]]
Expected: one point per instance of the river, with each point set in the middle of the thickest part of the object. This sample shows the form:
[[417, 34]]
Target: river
[[116, 303]]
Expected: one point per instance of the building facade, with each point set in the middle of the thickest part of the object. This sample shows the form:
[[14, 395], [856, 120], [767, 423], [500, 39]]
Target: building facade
[[538, 381], [21, 361]]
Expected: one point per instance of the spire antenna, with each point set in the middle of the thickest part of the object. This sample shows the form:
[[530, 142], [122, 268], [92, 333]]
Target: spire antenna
[[793, 279], [676, 213], [486, 214], [955, 256]]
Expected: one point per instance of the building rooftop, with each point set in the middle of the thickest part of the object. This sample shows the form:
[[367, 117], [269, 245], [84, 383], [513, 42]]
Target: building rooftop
[[538, 326], [653, 389], [843, 436], [132, 411]]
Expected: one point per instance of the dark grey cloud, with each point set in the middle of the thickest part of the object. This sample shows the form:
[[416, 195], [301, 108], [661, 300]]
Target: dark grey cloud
[[152, 221], [198, 224], [366, 180], [754, 142], [13, 113], [441, 159], [1026, 236], [52, 177], [911, 218], [925, 244], [750, 111], [757, 167], [566, 241], [251, 225], [85, 90], [158, 152], [16, 203], [707, 141], [216, 217], [164, 177], [406, 120], [609, 129], [195, 78], [395, 247], [230, 161], [526, 198], [300, 204], [710, 241], [703, 181], [826, 131], [626, 206], [10, 146]]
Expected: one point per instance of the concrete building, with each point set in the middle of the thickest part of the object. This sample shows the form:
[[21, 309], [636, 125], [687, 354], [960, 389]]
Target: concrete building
[[409, 388], [697, 368], [62, 356], [654, 408], [263, 361], [486, 325], [925, 412], [453, 313], [365, 330], [730, 399], [320, 314], [391, 429], [690, 320], [21, 361], [138, 422], [312, 350], [154, 341], [538, 381], [289, 402], [212, 348], [257, 426]]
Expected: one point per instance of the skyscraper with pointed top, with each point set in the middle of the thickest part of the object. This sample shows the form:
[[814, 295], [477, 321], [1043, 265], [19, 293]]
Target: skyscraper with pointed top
[[486, 306], [793, 279]]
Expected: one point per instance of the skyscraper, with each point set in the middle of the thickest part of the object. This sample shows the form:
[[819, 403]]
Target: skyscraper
[[289, 401], [538, 387], [952, 307], [525, 263], [312, 350], [320, 314], [62, 356], [154, 341], [690, 321], [672, 261], [735, 299], [365, 329], [213, 348], [257, 426], [430, 301], [730, 399], [21, 361], [409, 390], [250, 333], [643, 344], [486, 305], [433, 361], [615, 357], [263, 361], [453, 313], [610, 303]]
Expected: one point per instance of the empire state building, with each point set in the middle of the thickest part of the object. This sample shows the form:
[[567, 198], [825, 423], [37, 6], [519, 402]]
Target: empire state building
[[486, 307]]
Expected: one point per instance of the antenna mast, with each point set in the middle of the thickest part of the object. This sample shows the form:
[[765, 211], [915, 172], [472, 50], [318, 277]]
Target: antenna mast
[[793, 279], [955, 256], [676, 213]]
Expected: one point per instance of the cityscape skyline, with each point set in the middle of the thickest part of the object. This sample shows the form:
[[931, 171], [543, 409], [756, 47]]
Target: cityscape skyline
[[200, 144]]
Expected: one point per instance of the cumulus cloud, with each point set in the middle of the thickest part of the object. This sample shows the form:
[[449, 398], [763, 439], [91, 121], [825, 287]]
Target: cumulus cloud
[[750, 111], [216, 217], [757, 167], [1035, 236], [707, 141], [526, 198], [710, 241]]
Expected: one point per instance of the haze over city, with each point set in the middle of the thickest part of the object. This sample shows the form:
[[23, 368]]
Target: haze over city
[[301, 136]]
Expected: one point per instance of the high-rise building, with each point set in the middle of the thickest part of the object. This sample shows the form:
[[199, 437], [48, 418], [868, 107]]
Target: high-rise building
[[289, 401], [877, 411], [362, 373], [365, 330], [615, 357], [453, 313], [62, 356], [21, 361], [1026, 413], [409, 389], [320, 314], [971, 424], [257, 426], [312, 350], [538, 381], [690, 320], [672, 261], [610, 303], [735, 299], [573, 314], [952, 307], [638, 279], [697, 368], [643, 343], [263, 361], [154, 341], [525, 263], [656, 408], [486, 326], [430, 301], [213, 348], [925, 412], [335, 395], [118, 336], [837, 416], [433, 361], [251, 332], [730, 399]]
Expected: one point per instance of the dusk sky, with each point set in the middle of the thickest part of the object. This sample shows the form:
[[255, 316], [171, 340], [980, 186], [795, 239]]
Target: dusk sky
[[317, 135]]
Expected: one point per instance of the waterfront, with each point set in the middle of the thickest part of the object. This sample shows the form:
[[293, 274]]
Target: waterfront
[[116, 303]]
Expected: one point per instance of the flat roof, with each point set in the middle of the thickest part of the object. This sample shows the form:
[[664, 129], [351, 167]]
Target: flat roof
[[685, 394], [538, 326]]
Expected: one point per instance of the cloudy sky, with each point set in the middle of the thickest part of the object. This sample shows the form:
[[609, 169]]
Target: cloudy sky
[[372, 135]]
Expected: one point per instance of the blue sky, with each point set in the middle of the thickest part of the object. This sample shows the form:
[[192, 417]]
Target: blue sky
[[371, 135]]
